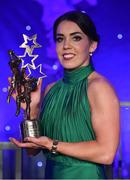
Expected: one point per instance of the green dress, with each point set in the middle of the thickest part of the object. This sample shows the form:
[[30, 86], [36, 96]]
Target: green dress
[[66, 116]]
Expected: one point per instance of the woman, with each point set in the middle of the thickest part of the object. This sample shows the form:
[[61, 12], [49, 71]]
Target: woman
[[79, 117]]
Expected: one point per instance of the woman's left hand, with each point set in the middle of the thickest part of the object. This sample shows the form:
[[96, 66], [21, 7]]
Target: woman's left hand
[[35, 143]]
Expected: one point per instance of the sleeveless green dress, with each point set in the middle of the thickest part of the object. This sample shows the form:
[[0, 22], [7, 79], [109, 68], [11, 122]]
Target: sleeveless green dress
[[66, 116]]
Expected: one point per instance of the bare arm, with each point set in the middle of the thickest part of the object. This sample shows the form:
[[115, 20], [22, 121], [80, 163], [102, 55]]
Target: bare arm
[[105, 120]]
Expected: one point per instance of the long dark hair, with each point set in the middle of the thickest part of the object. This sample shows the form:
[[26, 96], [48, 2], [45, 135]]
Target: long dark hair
[[82, 20]]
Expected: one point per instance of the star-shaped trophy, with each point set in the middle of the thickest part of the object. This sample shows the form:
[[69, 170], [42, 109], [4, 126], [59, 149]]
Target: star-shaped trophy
[[28, 59], [24, 83], [30, 43], [36, 71]]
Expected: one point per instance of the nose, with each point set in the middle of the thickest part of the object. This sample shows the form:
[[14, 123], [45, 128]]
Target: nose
[[66, 44]]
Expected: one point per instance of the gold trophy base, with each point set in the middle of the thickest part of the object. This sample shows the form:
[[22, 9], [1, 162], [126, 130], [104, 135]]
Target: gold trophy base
[[29, 128]]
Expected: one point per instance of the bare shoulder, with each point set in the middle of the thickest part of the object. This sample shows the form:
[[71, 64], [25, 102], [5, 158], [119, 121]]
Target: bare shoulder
[[100, 89]]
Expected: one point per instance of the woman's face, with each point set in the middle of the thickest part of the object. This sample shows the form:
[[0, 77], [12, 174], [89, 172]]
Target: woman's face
[[72, 45]]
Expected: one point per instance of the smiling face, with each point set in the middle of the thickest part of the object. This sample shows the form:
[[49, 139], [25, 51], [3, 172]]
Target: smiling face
[[73, 46]]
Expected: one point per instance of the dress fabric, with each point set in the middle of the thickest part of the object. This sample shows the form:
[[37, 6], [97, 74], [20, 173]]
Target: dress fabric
[[66, 116]]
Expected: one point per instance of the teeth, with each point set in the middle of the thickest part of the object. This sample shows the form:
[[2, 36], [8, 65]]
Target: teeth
[[68, 55]]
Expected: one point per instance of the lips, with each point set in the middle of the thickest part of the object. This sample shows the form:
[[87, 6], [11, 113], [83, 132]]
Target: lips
[[68, 56]]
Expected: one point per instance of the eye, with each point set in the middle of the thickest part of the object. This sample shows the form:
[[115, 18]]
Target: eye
[[59, 39], [77, 38]]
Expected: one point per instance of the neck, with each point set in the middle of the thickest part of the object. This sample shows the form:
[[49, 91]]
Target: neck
[[75, 75]]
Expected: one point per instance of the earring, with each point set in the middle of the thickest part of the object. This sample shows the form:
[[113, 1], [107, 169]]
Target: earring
[[90, 53]]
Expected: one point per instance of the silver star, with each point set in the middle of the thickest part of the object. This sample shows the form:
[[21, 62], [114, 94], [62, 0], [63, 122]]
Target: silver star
[[27, 60], [36, 71], [30, 48]]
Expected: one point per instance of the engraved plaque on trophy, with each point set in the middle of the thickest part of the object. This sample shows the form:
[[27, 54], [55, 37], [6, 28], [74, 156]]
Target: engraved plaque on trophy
[[30, 128]]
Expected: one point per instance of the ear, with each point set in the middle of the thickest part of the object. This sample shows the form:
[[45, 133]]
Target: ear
[[93, 46]]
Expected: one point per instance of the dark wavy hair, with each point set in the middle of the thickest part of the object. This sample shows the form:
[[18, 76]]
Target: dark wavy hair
[[82, 20]]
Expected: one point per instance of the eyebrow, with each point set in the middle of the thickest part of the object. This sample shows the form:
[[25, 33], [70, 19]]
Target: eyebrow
[[74, 33]]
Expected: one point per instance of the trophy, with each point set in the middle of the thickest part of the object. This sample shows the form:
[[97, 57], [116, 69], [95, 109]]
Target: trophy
[[24, 85]]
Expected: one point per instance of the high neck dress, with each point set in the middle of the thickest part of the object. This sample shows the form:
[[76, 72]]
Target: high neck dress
[[66, 116]]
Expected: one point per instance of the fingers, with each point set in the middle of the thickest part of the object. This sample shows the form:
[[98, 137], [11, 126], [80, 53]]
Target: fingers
[[17, 143], [43, 141], [34, 140], [23, 144]]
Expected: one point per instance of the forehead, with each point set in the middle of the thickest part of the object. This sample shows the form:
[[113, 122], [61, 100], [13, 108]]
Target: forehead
[[68, 27]]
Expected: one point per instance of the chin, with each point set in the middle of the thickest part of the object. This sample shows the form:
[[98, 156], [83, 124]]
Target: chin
[[69, 66], [73, 63]]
